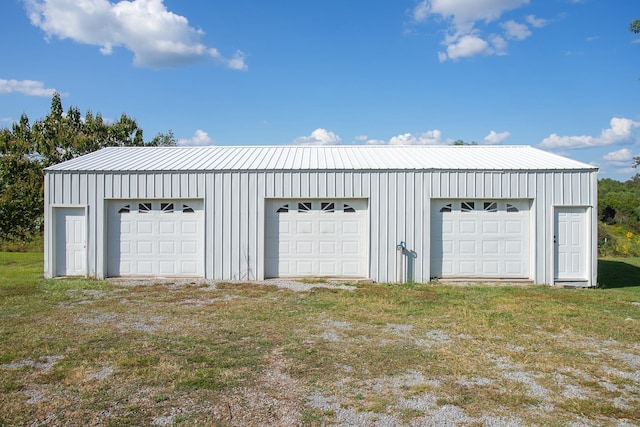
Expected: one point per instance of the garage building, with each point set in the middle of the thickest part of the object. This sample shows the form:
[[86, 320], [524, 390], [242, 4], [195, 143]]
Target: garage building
[[386, 213]]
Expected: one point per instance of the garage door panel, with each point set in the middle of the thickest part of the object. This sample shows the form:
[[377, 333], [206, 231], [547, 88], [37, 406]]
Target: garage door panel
[[304, 268], [351, 248], [316, 238], [144, 227], [468, 247], [490, 227], [189, 268], [167, 227], [468, 227], [144, 247], [447, 266], [125, 247], [327, 268], [491, 247], [285, 248], [479, 238], [167, 248], [327, 227], [351, 227], [144, 267], [327, 248], [468, 268], [304, 247], [167, 268], [304, 227], [189, 248], [514, 227], [513, 247], [490, 268], [151, 238], [514, 268]]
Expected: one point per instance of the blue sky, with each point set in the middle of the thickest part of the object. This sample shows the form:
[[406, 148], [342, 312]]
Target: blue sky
[[561, 75]]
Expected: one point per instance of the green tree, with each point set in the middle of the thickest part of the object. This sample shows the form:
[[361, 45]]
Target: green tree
[[21, 186], [59, 137], [163, 140], [634, 27], [25, 150]]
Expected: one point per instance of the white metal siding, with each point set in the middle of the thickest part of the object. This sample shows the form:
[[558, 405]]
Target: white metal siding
[[399, 209]]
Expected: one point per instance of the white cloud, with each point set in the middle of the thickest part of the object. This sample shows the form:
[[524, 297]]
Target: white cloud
[[157, 37], [515, 31], [620, 158], [430, 137], [466, 46], [620, 132], [536, 22], [200, 138], [319, 137], [462, 12], [26, 87], [496, 138], [462, 38]]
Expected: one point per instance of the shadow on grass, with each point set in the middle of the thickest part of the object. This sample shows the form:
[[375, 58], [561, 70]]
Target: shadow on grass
[[617, 274]]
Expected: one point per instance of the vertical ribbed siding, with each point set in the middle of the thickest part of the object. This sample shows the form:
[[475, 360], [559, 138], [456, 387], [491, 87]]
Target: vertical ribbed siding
[[399, 209]]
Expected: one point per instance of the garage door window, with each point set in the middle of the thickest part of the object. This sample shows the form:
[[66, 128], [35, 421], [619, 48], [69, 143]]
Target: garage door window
[[327, 207], [467, 206], [349, 209], [490, 207], [125, 209], [304, 207], [187, 209], [144, 207]]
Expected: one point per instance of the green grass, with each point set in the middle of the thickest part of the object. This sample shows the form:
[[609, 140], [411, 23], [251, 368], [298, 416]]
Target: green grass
[[94, 352]]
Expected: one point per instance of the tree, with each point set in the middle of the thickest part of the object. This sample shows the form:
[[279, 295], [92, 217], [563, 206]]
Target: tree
[[461, 142], [634, 27], [21, 186], [162, 140], [25, 150], [59, 137]]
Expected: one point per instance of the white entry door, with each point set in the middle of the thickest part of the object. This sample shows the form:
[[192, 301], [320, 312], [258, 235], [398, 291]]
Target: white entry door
[[70, 241], [480, 238], [570, 244], [316, 238]]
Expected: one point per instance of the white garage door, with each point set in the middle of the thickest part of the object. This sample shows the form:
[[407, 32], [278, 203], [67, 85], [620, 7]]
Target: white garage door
[[316, 238], [155, 238], [478, 238]]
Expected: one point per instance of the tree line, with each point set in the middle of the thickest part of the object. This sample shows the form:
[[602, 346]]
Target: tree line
[[26, 149]]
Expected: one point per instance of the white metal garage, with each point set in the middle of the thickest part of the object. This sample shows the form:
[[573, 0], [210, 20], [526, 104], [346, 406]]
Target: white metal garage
[[316, 238], [480, 238], [155, 238], [253, 212]]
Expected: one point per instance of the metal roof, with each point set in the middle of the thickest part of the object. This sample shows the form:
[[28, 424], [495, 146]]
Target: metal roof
[[291, 158]]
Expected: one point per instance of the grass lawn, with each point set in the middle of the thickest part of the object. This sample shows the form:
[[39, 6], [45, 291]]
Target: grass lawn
[[77, 351]]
